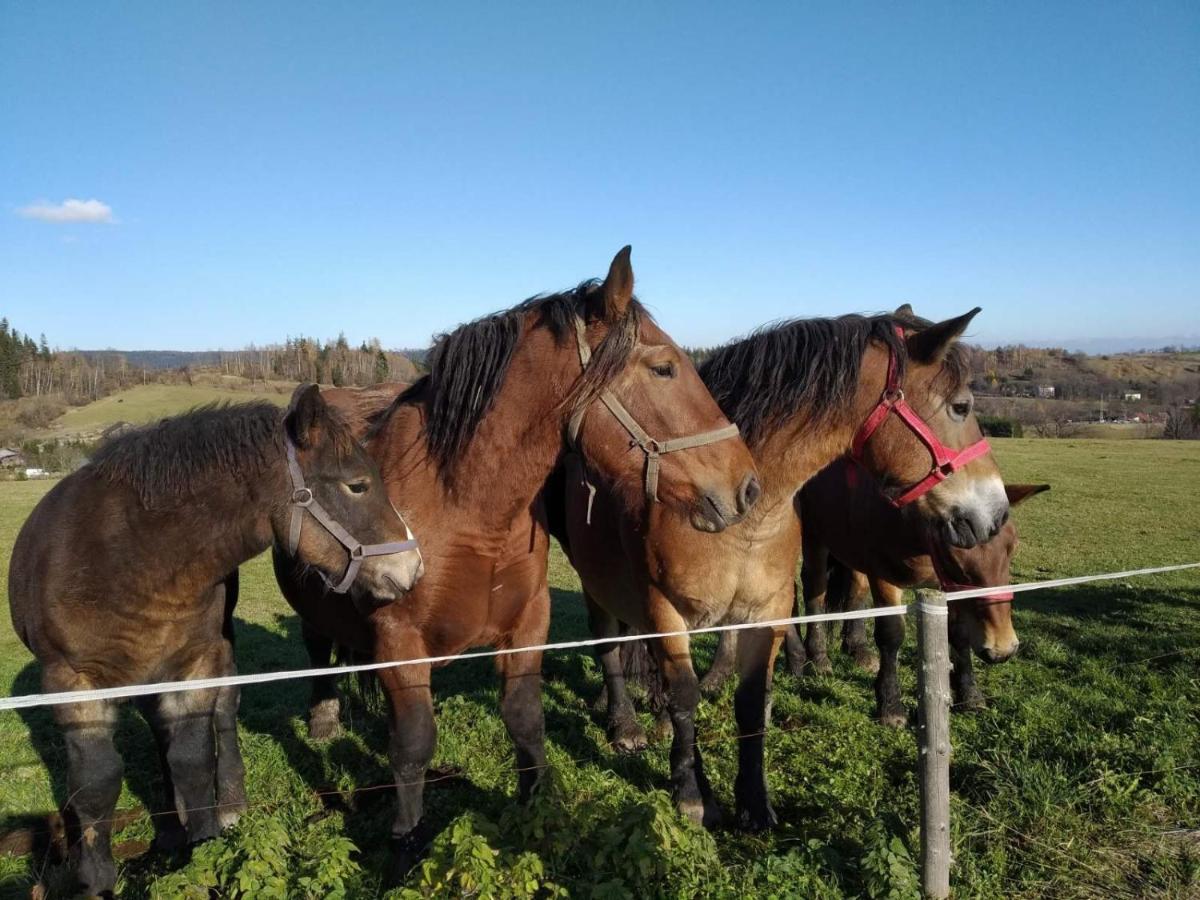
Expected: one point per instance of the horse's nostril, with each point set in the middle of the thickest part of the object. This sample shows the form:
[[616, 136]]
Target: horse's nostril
[[748, 495]]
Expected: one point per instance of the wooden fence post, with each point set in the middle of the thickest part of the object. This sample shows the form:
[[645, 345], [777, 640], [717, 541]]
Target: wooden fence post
[[933, 741]]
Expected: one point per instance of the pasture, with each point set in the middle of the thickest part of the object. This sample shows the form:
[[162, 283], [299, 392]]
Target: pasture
[[1082, 780]]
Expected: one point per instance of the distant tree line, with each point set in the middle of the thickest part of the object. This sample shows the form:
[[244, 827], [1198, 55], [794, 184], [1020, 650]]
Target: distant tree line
[[32, 369], [335, 362]]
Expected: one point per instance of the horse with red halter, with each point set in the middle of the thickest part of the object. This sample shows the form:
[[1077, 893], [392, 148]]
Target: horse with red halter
[[855, 541], [465, 453], [125, 573], [890, 388]]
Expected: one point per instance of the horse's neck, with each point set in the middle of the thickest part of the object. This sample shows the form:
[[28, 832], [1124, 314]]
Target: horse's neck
[[796, 451], [509, 458]]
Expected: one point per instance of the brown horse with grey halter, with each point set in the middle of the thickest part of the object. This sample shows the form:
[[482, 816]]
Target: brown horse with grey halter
[[856, 544], [466, 451], [124, 573], [803, 393]]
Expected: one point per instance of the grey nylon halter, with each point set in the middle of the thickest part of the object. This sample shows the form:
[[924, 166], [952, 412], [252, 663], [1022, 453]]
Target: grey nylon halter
[[652, 447], [303, 499]]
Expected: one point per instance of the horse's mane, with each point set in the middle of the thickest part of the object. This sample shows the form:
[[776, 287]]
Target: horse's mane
[[765, 379], [178, 456], [467, 367]]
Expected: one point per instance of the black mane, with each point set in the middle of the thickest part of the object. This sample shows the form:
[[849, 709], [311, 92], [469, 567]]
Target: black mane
[[467, 367], [765, 379], [179, 456]]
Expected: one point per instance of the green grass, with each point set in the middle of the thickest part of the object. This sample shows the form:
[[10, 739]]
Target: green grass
[[1082, 780], [147, 403]]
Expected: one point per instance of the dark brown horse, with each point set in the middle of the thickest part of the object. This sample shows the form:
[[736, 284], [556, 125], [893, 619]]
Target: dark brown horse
[[466, 452], [803, 393], [125, 573], [878, 552]]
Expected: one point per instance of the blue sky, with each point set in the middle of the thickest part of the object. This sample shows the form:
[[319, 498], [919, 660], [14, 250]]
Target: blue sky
[[263, 170]]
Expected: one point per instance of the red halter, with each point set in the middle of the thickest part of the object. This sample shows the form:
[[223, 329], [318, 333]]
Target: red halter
[[949, 586], [945, 461]]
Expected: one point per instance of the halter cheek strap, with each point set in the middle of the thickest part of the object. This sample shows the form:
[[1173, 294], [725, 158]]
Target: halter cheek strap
[[303, 500], [945, 460], [653, 448], [949, 586]]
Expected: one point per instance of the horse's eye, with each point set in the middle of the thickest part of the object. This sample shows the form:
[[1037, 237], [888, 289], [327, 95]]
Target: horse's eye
[[664, 370], [357, 487], [962, 409]]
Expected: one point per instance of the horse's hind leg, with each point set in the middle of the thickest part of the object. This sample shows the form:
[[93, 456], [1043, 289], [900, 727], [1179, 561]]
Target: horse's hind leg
[[723, 664], [752, 707], [521, 693], [854, 631], [231, 770], [94, 774], [693, 794], [793, 644], [889, 635], [815, 579], [325, 702], [625, 733]]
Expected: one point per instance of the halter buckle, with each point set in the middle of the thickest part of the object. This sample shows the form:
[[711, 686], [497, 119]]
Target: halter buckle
[[358, 552], [892, 396], [302, 497]]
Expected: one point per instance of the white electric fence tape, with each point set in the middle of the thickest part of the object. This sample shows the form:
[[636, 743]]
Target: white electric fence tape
[[29, 701]]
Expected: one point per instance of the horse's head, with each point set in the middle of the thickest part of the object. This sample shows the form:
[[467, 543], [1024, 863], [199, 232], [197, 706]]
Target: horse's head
[[664, 439], [922, 438], [986, 622], [338, 518]]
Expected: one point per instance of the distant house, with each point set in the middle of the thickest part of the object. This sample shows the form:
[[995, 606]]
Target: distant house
[[1046, 391], [36, 473], [11, 459], [1133, 395]]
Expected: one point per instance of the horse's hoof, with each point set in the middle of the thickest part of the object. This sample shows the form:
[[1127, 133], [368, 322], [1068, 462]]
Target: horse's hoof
[[893, 718], [407, 852], [702, 812], [761, 818], [820, 665], [712, 685], [865, 659], [628, 740], [229, 814], [169, 838], [975, 704], [324, 720]]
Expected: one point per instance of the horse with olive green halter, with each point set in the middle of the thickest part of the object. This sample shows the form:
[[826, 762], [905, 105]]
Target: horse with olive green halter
[[652, 447]]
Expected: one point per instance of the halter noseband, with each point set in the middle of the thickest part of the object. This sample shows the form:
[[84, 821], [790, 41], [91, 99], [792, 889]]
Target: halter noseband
[[945, 461], [652, 447], [303, 499]]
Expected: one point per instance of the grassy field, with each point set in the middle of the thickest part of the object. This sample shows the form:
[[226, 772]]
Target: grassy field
[[147, 403], [1082, 780]]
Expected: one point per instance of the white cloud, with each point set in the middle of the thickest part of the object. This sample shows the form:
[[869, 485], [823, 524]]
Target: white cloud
[[71, 210]]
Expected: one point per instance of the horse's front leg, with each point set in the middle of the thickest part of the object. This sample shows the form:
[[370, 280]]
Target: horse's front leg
[[521, 693], [231, 770], [854, 631], [814, 577], [723, 664], [692, 792], [967, 695], [625, 733], [889, 635], [411, 744], [757, 648], [325, 701], [793, 644]]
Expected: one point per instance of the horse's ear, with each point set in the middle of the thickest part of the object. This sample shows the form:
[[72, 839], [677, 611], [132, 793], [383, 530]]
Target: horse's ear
[[617, 291], [931, 345], [905, 309], [1018, 492], [305, 414]]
